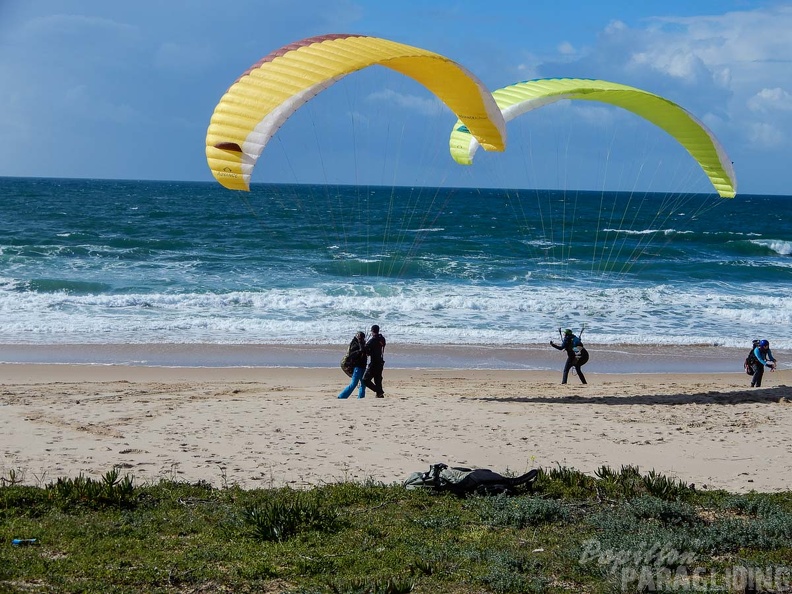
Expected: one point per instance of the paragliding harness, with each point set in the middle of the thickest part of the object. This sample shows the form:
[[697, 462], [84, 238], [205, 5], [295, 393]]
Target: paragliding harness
[[347, 362], [751, 363], [440, 478], [578, 349], [346, 366]]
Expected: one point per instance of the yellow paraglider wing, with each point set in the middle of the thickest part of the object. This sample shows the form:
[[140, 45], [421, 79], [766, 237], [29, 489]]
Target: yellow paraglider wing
[[264, 97], [692, 134]]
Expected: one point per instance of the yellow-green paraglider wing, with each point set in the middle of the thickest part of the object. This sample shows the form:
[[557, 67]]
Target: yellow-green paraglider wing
[[692, 134], [264, 97]]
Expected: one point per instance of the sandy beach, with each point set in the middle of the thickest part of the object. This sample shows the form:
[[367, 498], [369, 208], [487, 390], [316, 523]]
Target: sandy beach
[[273, 426]]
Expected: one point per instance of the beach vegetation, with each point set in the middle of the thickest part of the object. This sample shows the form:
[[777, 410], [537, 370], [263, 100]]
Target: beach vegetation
[[12, 477], [289, 513], [520, 512], [615, 531]]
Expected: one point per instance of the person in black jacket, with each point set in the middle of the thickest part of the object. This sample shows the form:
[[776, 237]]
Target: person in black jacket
[[356, 357], [577, 355], [375, 349]]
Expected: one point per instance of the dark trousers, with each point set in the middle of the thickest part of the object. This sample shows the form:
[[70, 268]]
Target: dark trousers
[[577, 363], [373, 376], [756, 380]]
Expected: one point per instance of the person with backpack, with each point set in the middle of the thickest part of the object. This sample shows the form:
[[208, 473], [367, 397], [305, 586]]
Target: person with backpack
[[749, 360], [761, 356], [355, 360], [375, 349], [577, 355]]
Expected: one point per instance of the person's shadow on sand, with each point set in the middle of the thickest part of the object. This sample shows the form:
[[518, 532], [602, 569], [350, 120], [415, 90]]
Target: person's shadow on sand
[[775, 395]]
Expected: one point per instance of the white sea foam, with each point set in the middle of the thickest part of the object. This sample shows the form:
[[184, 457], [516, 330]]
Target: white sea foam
[[416, 313], [648, 231], [783, 248]]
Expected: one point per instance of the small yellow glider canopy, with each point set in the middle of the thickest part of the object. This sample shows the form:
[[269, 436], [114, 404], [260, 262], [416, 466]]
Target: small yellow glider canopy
[[692, 134], [264, 97]]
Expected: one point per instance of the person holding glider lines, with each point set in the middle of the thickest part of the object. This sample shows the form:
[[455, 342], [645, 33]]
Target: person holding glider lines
[[375, 349], [761, 357], [577, 355], [356, 359]]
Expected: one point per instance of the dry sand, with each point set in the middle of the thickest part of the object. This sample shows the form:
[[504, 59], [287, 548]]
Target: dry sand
[[262, 427]]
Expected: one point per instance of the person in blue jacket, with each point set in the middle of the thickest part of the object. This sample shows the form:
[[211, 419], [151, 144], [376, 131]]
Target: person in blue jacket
[[577, 355], [763, 357]]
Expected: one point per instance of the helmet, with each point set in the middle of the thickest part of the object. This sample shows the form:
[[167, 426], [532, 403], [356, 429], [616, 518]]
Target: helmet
[[763, 344], [567, 331]]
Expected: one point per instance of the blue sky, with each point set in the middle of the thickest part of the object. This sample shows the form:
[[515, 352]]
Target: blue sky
[[100, 89]]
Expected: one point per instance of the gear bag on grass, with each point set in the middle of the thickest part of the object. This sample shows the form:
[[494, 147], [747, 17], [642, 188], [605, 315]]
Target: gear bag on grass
[[467, 481]]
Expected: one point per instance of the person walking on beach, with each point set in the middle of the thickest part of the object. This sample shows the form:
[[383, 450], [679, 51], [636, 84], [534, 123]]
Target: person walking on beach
[[577, 355], [375, 349], [762, 357], [356, 358]]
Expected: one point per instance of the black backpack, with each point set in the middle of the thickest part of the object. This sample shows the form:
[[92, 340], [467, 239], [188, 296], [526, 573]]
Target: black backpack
[[750, 363]]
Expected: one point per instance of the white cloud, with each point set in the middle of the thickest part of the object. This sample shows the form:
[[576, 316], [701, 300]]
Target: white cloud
[[595, 114], [615, 27], [738, 37], [566, 48], [529, 69], [735, 51], [775, 99], [732, 70], [712, 121], [421, 105], [679, 63], [766, 136]]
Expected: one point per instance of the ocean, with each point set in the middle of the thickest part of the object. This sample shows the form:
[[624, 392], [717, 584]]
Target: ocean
[[97, 262]]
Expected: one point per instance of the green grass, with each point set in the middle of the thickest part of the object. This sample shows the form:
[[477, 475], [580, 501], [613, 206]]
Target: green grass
[[617, 531]]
